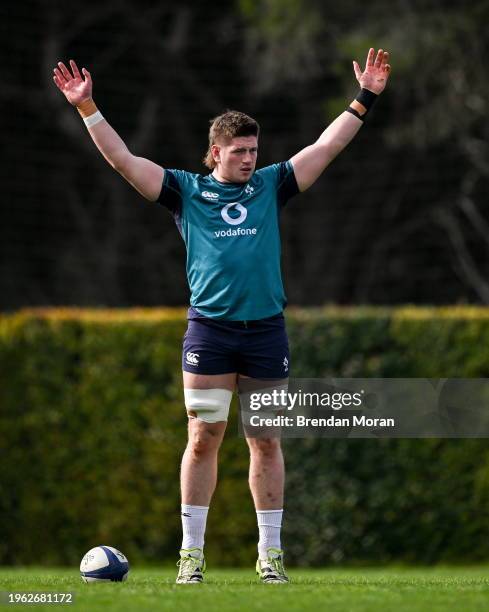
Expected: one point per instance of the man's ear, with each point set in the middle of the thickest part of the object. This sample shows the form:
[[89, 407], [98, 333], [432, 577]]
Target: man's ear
[[216, 152]]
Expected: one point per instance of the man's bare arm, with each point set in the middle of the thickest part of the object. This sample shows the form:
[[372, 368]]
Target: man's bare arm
[[143, 174], [309, 163]]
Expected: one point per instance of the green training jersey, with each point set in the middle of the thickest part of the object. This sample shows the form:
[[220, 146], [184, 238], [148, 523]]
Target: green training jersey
[[231, 232]]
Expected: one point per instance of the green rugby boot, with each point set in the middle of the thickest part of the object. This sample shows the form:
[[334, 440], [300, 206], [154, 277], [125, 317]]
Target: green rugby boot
[[272, 570], [191, 566]]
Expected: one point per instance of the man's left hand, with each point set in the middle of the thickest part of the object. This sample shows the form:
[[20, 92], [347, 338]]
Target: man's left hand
[[376, 73]]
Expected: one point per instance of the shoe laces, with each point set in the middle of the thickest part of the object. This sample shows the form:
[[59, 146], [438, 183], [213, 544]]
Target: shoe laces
[[187, 565], [276, 564]]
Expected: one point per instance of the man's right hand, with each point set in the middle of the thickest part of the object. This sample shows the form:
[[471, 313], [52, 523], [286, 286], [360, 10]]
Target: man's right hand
[[76, 88], [142, 174]]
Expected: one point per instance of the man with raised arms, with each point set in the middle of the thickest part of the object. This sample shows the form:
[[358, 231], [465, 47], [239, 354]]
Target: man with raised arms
[[229, 220]]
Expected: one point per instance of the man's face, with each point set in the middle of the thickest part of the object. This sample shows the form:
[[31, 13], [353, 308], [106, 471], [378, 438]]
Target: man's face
[[236, 160]]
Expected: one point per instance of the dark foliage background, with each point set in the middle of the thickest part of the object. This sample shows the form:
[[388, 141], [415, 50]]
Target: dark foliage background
[[400, 216], [92, 406]]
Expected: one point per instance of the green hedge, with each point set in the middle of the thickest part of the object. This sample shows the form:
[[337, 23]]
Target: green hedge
[[92, 429]]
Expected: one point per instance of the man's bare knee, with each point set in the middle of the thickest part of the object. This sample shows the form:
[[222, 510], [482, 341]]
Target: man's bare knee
[[264, 447], [205, 438]]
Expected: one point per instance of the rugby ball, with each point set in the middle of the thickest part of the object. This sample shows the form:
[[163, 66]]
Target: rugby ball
[[104, 564]]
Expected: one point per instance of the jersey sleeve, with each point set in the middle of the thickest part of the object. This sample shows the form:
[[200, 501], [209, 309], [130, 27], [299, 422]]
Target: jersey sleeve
[[172, 189], [283, 177]]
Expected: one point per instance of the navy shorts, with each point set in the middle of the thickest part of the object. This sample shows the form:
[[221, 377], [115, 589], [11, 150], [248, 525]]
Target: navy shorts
[[259, 349]]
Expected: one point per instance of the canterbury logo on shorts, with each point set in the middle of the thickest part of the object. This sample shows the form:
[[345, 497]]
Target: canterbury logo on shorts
[[192, 358]]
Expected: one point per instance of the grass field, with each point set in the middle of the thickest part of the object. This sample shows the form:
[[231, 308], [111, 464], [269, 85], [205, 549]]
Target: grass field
[[378, 590]]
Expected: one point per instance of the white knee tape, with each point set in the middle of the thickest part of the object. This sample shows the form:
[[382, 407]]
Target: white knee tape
[[210, 405]]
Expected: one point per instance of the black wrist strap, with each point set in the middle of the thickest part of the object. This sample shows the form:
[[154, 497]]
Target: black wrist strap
[[354, 112], [366, 98]]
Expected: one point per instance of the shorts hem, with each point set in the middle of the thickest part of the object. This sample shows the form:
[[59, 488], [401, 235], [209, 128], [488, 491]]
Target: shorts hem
[[208, 373]]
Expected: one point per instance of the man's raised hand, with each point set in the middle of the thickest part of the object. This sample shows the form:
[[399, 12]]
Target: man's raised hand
[[75, 87], [376, 72]]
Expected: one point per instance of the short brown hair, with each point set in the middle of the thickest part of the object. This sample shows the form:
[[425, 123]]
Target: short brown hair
[[227, 126]]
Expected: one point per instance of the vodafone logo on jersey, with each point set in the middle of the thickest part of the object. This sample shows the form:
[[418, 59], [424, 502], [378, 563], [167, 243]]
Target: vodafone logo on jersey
[[234, 220]]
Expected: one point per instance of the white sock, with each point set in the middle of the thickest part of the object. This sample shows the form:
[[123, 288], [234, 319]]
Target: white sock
[[269, 524], [194, 519]]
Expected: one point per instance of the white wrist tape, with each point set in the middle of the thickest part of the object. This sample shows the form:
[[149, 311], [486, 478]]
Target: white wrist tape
[[93, 119]]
